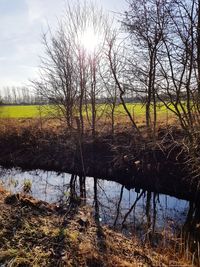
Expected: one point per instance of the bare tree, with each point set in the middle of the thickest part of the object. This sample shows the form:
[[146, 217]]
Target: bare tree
[[69, 71], [58, 83], [179, 64], [146, 21], [111, 97], [14, 94], [116, 57], [7, 95], [1, 99]]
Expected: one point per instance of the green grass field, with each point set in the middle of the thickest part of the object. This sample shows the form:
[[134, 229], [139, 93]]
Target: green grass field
[[28, 111], [34, 111]]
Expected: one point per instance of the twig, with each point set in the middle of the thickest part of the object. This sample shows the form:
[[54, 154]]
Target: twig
[[132, 207]]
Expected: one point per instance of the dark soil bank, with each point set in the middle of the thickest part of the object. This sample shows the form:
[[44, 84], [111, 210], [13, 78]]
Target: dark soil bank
[[133, 161]]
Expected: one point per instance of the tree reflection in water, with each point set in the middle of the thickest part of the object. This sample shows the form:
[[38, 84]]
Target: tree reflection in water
[[113, 204], [152, 217]]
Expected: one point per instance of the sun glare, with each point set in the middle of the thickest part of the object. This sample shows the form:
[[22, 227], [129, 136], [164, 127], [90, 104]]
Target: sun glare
[[89, 40]]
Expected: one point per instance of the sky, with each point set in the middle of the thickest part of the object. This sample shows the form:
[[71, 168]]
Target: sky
[[22, 23]]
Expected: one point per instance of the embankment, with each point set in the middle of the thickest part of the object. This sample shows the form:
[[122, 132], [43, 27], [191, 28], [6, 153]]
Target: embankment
[[154, 165]]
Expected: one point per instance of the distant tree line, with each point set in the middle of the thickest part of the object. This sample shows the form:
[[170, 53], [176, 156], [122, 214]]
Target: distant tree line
[[17, 95]]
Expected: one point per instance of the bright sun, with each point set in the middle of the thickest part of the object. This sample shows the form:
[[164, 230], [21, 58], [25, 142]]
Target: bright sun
[[89, 40]]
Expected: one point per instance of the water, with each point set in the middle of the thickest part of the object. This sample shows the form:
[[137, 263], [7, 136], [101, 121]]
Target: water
[[160, 212]]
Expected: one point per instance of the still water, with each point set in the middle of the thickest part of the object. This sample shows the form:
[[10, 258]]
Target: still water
[[160, 210]]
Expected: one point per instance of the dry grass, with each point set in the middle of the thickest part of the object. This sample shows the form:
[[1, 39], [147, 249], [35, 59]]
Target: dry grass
[[55, 126], [32, 234]]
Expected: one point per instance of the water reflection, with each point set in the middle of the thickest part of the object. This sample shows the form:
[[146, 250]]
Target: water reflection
[[158, 219], [113, 203]]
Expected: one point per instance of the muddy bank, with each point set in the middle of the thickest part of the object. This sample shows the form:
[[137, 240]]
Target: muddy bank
[[154, 165]]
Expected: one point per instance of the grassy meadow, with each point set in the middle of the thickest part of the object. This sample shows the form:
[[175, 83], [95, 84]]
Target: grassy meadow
[[137, 110], [22, 111]]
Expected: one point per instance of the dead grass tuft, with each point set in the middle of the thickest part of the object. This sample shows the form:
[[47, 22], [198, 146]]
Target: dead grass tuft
[[37, 237]]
